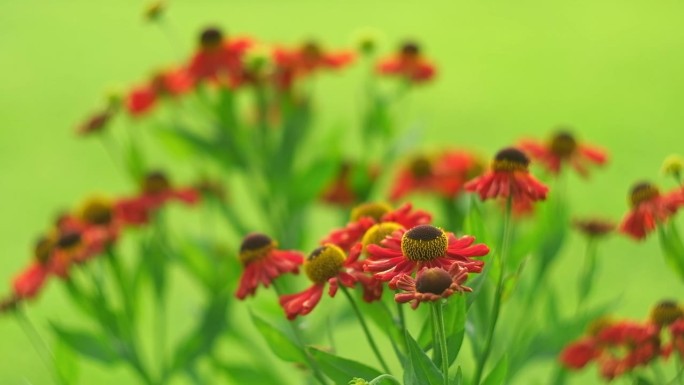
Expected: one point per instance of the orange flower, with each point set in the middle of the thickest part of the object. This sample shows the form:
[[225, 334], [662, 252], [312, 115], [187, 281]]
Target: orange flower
[[407, 63]]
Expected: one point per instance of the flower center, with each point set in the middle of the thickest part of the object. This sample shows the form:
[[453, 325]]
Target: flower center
[[510, 159], [43, 248], [666, 312], [378, 232], [97, 211], [156, 183], [375, 210], [643, 192], [409, 50], [211, 38], [255, 246], [563, 144], [598, 325], [424, 243], [434, 280], [69, 240], [324, 263], [420, 167], [311, 51]]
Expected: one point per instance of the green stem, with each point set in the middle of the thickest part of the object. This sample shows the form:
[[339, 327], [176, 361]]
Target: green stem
[[441, 336], [38, 343], [318, 374], [364, 326], [587, 274], [384, 378], [496, 308], [160, 338]]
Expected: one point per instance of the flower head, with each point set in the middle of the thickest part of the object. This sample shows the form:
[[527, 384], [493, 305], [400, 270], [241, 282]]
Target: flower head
[[444, 174], [218, 58], [673, 165], [578, 354], [304, 60], [406, 251], [564, 148], [365, 216], [594, 228], [431, 284], [666, 312], [407, 63], [263, 262], [141, 99], [329, 264], [509, 177], [649, 208]]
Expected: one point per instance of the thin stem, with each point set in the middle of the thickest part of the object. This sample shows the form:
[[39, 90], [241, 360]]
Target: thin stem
[[38, 343], [587, 274], [496, 309], [441, 336], [300, 341], [160, 338], [364, 326], [384, 377]]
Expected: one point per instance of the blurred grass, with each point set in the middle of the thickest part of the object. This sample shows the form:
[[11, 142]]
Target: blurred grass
[[612, 69]]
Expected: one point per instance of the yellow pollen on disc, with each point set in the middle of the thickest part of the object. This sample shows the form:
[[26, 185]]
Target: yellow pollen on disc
[[563, 144], [97, 211], [643, 192], [324, 263], [378, 232], [424, 243], [375, 210], [254, 247]]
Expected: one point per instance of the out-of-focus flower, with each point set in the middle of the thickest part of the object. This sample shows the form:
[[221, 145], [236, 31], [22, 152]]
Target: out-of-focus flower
[[329, 264], [291, 64], [142, 98], [673, 166], [564, 148], [594, 228], [154, 10], [263, 263], [365, 216], [509, 177], [408, 63], [348, 185], [156, 190], [431, 284], [218, 58], [649, 208], [444, 174], [666, 312], [406, 251], [578, 354]]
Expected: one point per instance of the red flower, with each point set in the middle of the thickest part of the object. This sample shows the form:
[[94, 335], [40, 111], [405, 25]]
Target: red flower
[[29, 282], [578, 354], [406, 251], [156, 191], [649, 208], [329, 264], [509, 176], [563, 147], [431, 284], [408, 63], [142, 98], [263, 263], [218, 59], [594, 228], [365, 216], [291, 64], [349, 184], [677, 332]]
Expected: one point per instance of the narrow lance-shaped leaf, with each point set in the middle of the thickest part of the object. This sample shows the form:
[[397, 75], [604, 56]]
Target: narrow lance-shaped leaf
[[339, 369]]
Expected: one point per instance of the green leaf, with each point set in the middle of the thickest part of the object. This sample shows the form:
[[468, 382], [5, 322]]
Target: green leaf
[[279, 342], [498, 375], [455, 319], [203, 337], [183, 143], [66, 362], [457, 379], [87, 344], [420, 370], [135, 161], [309, 184], [473, 223], [339, 369], [243, 374]]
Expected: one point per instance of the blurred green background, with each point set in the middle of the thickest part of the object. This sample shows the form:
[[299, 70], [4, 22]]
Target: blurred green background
[[507, 69]]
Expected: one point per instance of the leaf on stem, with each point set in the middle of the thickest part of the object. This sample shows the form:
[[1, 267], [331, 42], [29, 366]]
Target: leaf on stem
[[92, 346], [339, 369], [419, 369], [498, 375], [280, 343]]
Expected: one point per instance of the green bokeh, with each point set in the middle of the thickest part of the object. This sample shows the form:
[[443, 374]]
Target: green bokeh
[[507, 69]]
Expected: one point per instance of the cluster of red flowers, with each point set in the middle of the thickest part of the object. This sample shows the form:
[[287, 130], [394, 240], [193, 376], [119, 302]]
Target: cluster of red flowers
[[396, 243], [78, 236], [618, 348], [236, 62]]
